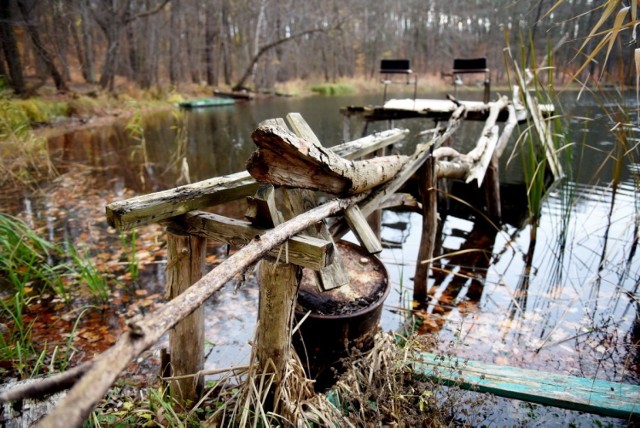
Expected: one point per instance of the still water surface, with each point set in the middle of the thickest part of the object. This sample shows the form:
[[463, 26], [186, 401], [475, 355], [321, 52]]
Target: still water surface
[[571, 309]]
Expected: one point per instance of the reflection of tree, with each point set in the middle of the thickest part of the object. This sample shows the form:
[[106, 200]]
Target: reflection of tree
[[463, 269]]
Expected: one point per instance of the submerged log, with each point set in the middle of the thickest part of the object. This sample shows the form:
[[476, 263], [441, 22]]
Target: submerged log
[[286, 160]]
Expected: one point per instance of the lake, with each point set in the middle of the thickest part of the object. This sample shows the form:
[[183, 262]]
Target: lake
[[567, 302]]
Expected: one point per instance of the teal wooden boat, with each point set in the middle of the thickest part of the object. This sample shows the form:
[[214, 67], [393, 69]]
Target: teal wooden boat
[[207, 102]]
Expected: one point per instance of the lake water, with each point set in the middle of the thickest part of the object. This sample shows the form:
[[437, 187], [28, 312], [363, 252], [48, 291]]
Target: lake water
[[567, 303]]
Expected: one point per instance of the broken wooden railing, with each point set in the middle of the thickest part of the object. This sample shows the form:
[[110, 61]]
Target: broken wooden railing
[[294, 160]]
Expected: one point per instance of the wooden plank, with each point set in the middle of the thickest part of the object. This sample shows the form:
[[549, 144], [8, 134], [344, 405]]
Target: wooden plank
[[300, 200], [551, 389], [154, 207], [300, 250], [370, 144], [361, 228], [262, 208]]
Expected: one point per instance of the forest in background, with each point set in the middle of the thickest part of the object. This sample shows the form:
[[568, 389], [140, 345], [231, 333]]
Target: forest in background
[[258, 43]]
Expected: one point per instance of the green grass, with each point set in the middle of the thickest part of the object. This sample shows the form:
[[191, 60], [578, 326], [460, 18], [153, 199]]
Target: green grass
[[31, 266], [333, 89], [128, 242]]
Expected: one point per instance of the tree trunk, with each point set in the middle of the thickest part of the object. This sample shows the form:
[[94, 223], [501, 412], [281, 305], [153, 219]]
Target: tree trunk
[[10, 48], [88, 69], [209, 43], [107, 79], [266, 48], [40, 49], [174, 49], [429, 198]]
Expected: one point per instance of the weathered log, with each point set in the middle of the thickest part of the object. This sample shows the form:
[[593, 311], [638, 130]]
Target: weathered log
[[372, 202], [369, 144], [278, 290], [278, 284], [286, 160], [46, 386], [492, 175], [88, 391]]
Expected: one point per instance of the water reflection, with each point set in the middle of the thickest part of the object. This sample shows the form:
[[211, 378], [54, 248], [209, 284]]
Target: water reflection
[[563, 302]]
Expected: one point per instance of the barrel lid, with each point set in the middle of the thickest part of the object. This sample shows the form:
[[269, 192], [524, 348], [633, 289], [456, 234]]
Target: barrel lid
[[367, 285]]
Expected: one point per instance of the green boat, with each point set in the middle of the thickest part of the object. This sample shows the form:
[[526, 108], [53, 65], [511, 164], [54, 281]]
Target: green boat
[[207, 102]]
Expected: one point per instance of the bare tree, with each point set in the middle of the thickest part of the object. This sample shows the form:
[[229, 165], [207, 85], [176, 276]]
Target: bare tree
[[10, 48], [26, 7], [112, 18]]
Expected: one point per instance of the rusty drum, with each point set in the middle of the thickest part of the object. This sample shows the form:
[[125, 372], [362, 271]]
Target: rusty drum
[[341, 322]]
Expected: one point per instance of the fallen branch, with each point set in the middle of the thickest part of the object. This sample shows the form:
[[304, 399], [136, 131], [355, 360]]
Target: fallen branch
[[47, 386]]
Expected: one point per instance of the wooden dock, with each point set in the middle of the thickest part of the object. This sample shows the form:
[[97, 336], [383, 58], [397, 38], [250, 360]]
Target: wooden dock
[[438, 110], [595, 396]]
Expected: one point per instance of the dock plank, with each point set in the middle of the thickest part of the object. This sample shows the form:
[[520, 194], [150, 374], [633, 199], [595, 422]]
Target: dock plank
[[552, 389]]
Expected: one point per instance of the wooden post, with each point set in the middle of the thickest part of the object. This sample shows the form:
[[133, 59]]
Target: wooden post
[[278, 284], [429, 196], [185, 263], [278, 290], [375, 218], [491, 184]]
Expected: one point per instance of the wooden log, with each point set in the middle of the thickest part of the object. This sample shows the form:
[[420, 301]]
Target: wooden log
[[492, 175], [185, 263], [286, 160], [46, 386], [362, 230], [378, 196], [105, 368], [539, 124], [374, 220], [369, 144], [300, 250], [482, 153], [278, 291]]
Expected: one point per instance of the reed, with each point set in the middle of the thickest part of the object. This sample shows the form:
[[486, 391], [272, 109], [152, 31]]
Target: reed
[[129, 244]]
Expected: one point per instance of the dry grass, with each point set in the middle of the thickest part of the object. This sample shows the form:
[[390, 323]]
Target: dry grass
[[379, 389]]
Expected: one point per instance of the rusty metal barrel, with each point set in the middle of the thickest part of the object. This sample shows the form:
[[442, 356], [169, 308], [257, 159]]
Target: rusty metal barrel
[[341, 322]]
